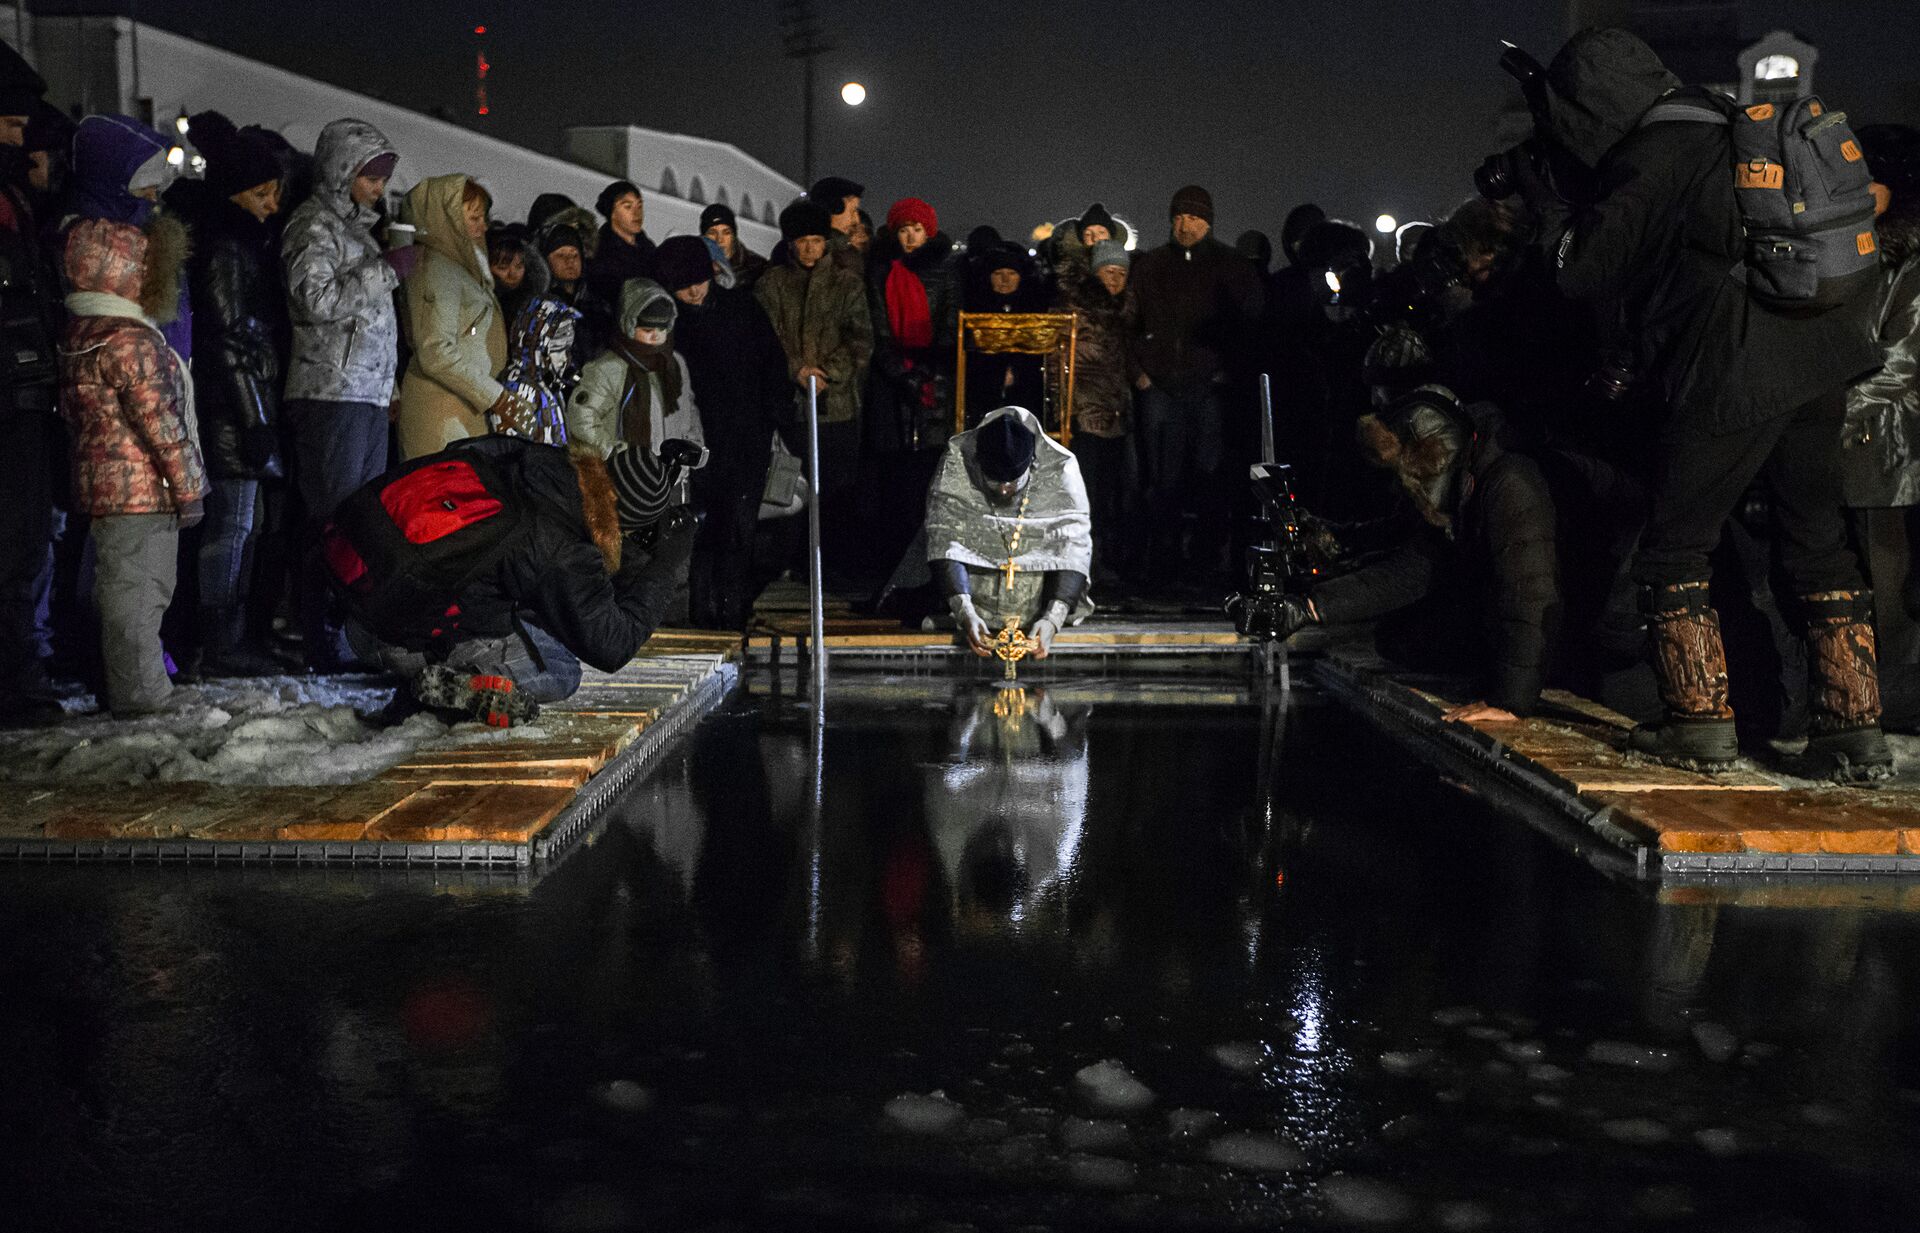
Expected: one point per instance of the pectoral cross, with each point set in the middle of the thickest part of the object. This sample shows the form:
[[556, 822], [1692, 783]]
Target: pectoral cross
[[1008, 571], [1012, 645]]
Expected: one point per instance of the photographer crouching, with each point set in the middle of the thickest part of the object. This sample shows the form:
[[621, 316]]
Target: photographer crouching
[[1746, 311]]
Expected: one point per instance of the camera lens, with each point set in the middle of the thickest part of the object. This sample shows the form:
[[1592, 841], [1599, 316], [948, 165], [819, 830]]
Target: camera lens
[[1494, 177]]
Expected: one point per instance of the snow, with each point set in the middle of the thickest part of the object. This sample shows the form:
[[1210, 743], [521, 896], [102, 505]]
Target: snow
[[288, 731], [929, 1114]]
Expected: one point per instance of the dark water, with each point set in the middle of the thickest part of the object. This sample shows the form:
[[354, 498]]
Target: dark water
[[1404, 1008]]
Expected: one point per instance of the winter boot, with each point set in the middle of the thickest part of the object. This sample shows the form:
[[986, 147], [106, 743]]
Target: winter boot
[[492, 700], [1691, 663], [1844, 741], [224, 652]]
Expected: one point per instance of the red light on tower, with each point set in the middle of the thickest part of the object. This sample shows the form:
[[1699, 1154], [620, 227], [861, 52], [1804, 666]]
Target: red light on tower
[[480, 67]]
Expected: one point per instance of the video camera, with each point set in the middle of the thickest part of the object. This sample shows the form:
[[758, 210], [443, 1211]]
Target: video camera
[[1280, 567]]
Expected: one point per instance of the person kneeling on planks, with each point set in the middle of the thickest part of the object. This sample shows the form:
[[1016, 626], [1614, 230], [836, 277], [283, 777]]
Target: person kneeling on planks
[[487, 573]]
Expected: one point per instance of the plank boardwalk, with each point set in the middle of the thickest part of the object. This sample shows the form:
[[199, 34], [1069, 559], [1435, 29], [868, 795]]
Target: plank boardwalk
[[1570, 758], [491, 799]]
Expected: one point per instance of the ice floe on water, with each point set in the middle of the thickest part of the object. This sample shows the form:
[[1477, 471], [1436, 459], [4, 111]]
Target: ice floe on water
[[624, 1096], [1104, 1136], [1365, 1200], [1241, 1057], [1101, 1173], [1191, 1124], [292, 731], [1110, 1087], [1255, 1153], [1717, 1042], [1636, 1131], [929, 1114]]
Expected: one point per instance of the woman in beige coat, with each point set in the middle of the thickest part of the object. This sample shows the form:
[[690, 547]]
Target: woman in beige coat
[[453, 320]]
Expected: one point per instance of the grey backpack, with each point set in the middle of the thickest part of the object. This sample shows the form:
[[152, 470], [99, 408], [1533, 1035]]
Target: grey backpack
[[1802, 185]]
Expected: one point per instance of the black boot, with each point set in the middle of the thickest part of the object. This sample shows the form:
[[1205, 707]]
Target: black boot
[[224, 653], [1844, 740], [1690, 662]]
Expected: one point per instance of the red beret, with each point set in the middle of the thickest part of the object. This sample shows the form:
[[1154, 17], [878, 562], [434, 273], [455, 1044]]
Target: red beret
[[912, 210]]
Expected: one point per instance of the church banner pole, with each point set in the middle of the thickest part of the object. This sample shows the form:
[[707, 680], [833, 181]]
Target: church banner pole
[[1266, 419], [816, 583]]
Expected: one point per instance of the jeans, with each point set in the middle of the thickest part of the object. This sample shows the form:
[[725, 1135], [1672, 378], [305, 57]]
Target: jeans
[[538, 664], [1700, 481], [134, 575], [337, 448], [234, 511]]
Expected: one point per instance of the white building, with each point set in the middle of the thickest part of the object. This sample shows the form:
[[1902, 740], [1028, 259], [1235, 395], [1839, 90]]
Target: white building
[[112, 64]]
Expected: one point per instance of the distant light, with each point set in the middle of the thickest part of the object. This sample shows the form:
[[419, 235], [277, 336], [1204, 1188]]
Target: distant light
[[1333, 282], [853, 94], [1776, 68], [180, 124], [199, 165], [1386, 224], [479, 29]]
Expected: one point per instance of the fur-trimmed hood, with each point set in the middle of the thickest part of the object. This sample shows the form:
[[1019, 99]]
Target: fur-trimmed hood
[[1430, 442], [599, 506]]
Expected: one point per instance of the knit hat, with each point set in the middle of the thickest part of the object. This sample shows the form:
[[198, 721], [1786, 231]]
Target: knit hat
[[236, 161], [831, 193], [1111, 252], [682, 261], [1192, 200], [1097, 216], [804, 217], [20, 86], [641, 484], [1003, 447], [558, 237], [659, 314], [380, 166], [717, 213], [912, 210], [612, 193]]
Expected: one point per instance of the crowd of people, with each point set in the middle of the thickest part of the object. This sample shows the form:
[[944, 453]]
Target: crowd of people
[[1539, 432]]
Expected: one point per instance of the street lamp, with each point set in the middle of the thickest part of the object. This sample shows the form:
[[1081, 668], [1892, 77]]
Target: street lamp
[[1386, 224], [802, 40], [853, 94]]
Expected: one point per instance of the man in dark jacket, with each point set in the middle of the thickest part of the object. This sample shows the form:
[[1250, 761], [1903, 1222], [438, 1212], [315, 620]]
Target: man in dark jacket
[[1749, 392], [573, 587], [624, 251], [1477, 584], [739, 373], [241, 335], [1198, 299], [28, 381]]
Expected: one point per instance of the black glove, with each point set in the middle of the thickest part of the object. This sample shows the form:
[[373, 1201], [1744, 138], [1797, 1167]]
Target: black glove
[[682, 453], [259, 445]]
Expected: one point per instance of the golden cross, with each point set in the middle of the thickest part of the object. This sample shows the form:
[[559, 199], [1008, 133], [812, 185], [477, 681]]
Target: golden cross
[[1012, 645], [1009, 570]]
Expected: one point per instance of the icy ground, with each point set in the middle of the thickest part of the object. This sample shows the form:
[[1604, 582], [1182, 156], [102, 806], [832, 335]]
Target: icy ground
[[285, 731]]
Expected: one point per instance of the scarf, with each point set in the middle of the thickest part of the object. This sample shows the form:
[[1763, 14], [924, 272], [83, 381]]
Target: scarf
[[636, 410], [907, 309]]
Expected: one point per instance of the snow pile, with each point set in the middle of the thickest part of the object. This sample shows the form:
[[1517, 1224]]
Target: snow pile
[[270, 731]]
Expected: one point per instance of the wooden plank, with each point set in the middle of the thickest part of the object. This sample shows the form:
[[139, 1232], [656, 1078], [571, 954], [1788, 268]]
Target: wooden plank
[[440, 812]]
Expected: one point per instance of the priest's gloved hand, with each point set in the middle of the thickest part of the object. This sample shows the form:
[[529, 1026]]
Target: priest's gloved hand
[[968, 621], [1295, 613], [1046, 629]]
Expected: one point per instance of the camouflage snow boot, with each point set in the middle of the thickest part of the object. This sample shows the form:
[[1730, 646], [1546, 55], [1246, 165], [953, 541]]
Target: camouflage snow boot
[[492, 700], [1844, 740], [1691, 663]]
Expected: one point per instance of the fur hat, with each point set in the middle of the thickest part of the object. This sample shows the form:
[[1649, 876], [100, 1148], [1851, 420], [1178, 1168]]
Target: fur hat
[[830, 193], [682, 261], [803, 218]]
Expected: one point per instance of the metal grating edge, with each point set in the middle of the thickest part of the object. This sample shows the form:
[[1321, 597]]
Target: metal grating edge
[[338, 853], [1800, 864], [1514, 786], [606, 786]]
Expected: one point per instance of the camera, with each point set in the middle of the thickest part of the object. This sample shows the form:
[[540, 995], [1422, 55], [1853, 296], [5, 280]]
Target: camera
[[1539, 158], [1279, 570], [1501, 175]]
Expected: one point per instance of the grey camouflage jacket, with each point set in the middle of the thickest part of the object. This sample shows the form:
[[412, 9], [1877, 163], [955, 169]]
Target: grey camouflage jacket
[[346, 335]]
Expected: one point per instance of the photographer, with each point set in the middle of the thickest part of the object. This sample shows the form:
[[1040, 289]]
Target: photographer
[[1641, 215]]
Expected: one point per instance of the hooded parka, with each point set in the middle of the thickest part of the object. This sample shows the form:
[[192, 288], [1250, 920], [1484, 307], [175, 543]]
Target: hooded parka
[[454, 322], [602, 405], [346, 334]]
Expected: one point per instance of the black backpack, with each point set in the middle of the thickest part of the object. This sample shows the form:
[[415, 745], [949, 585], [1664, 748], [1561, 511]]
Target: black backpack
[[1801, 181], [403, 548]]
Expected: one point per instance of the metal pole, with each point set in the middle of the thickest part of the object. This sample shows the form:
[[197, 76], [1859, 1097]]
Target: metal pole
[[1266, 418], [806, 124], [816, 585]]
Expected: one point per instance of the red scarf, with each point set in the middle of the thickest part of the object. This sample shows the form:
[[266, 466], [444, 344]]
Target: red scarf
[[907, 309]]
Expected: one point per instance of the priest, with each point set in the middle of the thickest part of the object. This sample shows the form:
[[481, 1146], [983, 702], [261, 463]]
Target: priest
[[1009, 537]]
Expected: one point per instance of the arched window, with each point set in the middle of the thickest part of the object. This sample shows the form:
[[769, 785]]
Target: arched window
[[767, 215], [746, 204], [723, 195], [669, 183], [697, 192]]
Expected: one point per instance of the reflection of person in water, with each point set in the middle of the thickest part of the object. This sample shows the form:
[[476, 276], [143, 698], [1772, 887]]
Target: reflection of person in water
[[1007, 811], [1009, 535]]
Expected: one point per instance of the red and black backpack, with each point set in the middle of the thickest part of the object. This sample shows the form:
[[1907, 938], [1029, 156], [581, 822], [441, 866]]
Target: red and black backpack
[[402, 549]]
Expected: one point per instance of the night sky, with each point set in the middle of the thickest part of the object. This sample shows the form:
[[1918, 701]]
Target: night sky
[[1008, 113]]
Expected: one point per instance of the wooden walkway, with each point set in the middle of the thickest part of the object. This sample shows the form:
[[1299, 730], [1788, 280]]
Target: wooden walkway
[[1566, 768], [501, 803]]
